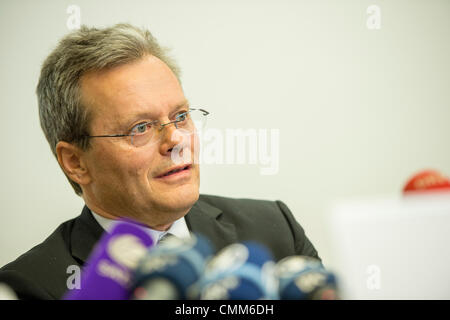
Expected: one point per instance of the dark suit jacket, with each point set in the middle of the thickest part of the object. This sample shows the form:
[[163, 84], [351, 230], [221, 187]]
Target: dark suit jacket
[[41, 273]]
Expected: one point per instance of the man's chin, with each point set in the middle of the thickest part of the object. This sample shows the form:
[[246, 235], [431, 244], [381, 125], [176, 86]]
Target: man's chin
[[178, 200]]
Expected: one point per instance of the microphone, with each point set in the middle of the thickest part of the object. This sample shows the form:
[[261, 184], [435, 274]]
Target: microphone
[[170, 270], [6, 293], [108, 271], [427, 181], [304, 278], [240, 271]]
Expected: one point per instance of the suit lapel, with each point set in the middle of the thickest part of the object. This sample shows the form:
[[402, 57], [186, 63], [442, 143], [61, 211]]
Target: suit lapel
[[205, 219], [86, 233]]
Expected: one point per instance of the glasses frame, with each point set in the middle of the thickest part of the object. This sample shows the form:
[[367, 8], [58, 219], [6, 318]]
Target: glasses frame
[[161, 125]]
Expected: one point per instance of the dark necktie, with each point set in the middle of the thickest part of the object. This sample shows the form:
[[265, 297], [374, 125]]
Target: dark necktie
[[166, 237]]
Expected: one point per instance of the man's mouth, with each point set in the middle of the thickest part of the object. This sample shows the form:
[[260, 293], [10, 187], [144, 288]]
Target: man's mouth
[[175, 170]]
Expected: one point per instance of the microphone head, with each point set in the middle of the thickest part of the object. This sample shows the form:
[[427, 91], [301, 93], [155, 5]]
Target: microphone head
[[239, 271], [108, 271], [427, 181], [304, 278], [172, 267], [6, 293]]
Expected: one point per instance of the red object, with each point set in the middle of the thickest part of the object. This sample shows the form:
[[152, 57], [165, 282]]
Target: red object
[[427, 180]]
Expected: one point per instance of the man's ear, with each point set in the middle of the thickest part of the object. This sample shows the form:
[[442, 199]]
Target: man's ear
[[70, 158]]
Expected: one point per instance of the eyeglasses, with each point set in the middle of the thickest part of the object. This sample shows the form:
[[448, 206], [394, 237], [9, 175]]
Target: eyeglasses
[[143, 133]]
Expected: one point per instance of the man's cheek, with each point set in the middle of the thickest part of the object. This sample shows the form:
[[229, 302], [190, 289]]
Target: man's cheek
[[137, 169]]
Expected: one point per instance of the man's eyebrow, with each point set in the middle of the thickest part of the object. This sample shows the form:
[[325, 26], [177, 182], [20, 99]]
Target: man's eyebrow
[[127, 122], [185, 103]]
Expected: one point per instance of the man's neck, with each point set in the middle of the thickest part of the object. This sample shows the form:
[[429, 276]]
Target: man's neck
[[178, 228], [141, 219]]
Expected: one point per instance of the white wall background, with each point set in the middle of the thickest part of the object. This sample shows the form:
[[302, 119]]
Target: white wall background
[[358, 110]]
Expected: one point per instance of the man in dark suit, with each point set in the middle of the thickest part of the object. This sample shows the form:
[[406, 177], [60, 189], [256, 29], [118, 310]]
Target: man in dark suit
[[42, 272], [114, 113]]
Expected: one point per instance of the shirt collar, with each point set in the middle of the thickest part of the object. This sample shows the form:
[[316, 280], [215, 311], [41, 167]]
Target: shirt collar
[[178, 228]]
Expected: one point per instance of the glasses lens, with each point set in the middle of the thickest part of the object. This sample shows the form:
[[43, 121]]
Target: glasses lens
[[193, 121], [142, 134], [198, 120]]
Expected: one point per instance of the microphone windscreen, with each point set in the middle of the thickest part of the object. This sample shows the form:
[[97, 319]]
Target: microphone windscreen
[[169, 270], [304, 278], [108, 271], [6, 293], [239, 271]]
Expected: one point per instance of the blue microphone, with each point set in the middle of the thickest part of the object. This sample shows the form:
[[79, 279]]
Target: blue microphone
[[241, 271], [169, 270], [304, 278]]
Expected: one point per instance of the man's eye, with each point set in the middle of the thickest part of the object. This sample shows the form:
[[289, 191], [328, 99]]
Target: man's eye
[[141, 127], [182, 116]]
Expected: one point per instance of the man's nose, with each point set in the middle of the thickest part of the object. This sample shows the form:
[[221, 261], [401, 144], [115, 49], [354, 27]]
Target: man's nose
[[170, 137]]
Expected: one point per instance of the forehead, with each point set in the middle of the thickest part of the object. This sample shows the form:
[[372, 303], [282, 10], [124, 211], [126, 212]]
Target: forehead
[[144, 86]]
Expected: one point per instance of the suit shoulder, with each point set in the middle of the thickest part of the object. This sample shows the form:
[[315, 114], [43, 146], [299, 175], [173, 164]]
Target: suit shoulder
[[56, 242], [225, 203], [268, 222], [251, 214], [42, 262]]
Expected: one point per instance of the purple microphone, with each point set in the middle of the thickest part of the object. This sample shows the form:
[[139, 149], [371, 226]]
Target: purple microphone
[[108, 272]]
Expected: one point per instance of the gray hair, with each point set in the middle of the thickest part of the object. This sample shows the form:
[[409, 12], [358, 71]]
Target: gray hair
[[61, 113]]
